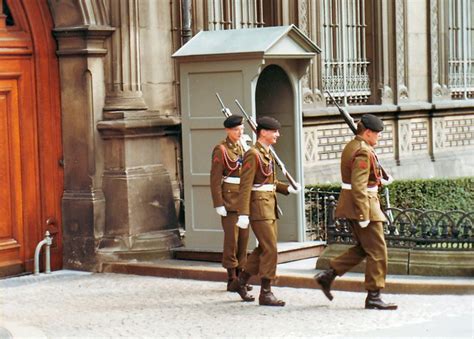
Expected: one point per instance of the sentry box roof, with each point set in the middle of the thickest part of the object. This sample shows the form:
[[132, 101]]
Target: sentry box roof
[[286, 42]]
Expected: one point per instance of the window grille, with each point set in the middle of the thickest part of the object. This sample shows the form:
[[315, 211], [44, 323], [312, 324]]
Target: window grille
[[234, 14], [345, 66], [461, 48]]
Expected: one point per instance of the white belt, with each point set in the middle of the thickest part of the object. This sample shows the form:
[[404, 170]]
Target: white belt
[[345, 186], [232, 180], [264, 188]]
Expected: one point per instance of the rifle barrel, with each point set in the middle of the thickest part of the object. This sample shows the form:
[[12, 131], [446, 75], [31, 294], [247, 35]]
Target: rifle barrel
[[349, 121], [280, 163], [227, 113]]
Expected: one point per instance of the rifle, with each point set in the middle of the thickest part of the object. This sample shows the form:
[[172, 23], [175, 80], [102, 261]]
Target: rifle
[[350, 122], [387, 202], [244, 138], [278, 161]]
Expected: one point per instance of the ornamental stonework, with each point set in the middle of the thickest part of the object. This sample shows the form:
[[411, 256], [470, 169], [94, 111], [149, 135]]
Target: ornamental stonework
[[325, 143], [419, 135], [458, 132]]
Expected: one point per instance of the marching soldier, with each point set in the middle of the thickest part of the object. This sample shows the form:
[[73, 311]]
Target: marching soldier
[[359, 204], [225, 178], [258, 206]]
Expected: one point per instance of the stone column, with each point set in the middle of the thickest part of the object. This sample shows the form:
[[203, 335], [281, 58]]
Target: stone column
[[81, 52], [140, 218], [123, 80]]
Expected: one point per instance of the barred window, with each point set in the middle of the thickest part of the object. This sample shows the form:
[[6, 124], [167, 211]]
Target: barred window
[[345, 65], [461, 48], [234, 14]]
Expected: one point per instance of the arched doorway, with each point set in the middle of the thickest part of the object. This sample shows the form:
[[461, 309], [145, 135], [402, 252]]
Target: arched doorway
[[31, 178], [275, 97]]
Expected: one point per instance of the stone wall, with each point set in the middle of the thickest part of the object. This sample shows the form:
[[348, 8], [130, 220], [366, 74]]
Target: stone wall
[[417, 147]]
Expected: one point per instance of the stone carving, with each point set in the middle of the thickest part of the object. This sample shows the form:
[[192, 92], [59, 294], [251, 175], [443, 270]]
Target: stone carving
[[303, 16], [308, 96], [434, 43], [387, 93], [405, 137], [310, 142], [400, 43], [438, 131]]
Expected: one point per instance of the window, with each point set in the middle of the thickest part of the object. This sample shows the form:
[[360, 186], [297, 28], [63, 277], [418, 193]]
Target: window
[[345, 68], [461, 48], [237, 14]]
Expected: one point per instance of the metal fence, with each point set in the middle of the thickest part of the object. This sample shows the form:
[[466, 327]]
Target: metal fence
[[408, 228], [316, 210]]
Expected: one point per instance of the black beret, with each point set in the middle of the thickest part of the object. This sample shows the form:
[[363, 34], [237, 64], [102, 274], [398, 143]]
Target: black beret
[[372, 122], [233, 121], [268, 123]]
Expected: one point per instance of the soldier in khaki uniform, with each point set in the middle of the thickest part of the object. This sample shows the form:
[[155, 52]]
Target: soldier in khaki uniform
[[225, 178], [258, 206], [359, 204]]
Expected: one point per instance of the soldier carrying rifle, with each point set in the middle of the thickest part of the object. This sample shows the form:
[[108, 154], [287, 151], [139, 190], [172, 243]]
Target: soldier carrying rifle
[[225, 179], [258, 206], [359, 203]]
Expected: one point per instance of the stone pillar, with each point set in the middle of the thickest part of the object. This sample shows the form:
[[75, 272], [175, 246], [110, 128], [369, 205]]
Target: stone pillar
[[81, 52], [140, 217], [123, 80]]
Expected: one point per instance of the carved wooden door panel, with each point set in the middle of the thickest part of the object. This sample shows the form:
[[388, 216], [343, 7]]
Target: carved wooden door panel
[[30, 136], [12, 252]]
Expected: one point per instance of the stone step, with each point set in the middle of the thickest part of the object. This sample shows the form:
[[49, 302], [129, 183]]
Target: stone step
[[287, 252]]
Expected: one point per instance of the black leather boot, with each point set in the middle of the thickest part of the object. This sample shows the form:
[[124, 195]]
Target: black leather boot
[[238, 285], [325, 279], [374, 301], [231, 276], [249, 287], [267, 298]]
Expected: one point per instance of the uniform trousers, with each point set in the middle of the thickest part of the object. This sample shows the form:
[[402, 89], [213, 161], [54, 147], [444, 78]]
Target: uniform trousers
[[370, 245], [235, 242], [263, 259]]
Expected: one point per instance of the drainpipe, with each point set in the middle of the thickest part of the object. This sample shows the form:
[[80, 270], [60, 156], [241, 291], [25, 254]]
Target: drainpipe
[[185, 21], [46, 241]]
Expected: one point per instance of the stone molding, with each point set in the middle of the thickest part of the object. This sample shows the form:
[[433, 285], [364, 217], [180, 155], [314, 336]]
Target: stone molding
[[70, 13], [400, 50], [123, 66], [438, 52]]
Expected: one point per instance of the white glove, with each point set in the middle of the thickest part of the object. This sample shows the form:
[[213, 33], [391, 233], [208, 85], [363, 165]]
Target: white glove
[[387, 181], [294, 190], [221, 211], [364, 223], [243, 221]]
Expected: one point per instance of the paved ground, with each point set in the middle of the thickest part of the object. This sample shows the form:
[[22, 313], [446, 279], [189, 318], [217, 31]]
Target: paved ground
[[72, 304]]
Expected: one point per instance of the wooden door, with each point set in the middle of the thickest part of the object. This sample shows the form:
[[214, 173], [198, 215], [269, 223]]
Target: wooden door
[[30, 136]]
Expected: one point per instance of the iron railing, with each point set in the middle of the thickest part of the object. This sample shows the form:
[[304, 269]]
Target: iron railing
[[408, 228], [316, 211]]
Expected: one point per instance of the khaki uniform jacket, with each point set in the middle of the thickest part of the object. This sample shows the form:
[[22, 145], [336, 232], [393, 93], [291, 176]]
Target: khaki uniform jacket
[[359, 167], [259, 169], [226, 162]]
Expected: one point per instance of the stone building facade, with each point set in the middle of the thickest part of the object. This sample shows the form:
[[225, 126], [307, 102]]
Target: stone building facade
[[409, 62]]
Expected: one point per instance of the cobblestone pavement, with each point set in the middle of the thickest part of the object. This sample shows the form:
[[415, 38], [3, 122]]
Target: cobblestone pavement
[[72, 304]]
